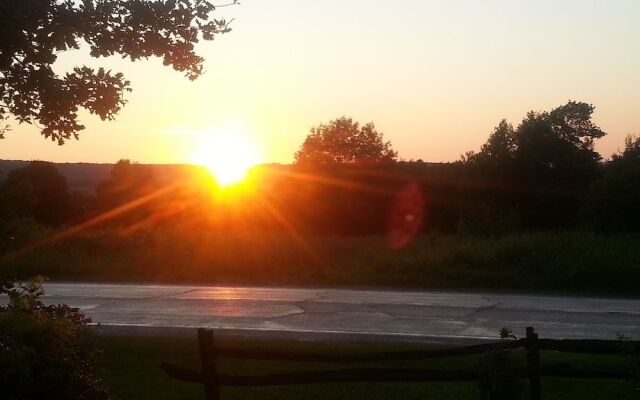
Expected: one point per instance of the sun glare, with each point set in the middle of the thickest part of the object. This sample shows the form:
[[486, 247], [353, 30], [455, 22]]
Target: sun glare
[[227, 155]]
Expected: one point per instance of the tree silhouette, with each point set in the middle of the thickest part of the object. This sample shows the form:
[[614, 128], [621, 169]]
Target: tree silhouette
[[614, 197], [128, 181], [497, 154], [556, 148], [33, 32], [344, 141], [37, 191], [543, 168]]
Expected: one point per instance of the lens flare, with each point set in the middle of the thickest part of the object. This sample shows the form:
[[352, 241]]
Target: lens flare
[[407, 214]]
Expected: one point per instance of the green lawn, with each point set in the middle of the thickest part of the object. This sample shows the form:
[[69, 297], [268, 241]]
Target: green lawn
[[133, 373]]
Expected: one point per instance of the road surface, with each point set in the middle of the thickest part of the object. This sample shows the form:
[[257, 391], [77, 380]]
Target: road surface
[[402, 315]]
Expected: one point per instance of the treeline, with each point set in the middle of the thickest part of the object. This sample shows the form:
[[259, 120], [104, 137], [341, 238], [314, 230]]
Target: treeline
[[542, 174]]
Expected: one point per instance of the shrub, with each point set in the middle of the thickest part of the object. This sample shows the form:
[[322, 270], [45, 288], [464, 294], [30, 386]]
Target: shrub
[[46, 352]]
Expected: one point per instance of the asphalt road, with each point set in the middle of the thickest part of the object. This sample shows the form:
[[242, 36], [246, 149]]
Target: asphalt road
[[400, 315]]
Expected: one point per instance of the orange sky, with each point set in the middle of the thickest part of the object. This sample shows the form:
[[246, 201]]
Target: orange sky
[[434, 76]]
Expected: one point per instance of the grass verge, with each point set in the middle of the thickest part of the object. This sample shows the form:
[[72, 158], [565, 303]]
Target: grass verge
[[576, 262]]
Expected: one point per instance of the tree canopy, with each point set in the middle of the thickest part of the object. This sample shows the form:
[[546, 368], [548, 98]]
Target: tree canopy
[[128, 181], [541, 168], [344, 141], [547, 147], [37, 191], [614, 197], [33, 32]]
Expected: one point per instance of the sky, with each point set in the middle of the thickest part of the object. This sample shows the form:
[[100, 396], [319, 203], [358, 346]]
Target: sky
[[434, 76]]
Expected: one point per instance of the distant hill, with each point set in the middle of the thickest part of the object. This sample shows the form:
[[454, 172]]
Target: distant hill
[[80, 176], [86, 176]]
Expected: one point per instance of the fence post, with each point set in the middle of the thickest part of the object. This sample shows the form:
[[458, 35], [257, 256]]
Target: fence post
[[206, 348], [533, 364]]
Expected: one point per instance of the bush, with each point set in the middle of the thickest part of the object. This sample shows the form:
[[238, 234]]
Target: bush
[[46, 352]]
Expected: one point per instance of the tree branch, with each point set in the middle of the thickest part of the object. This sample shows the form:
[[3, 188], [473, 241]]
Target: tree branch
[[21, 62], [235, 2]]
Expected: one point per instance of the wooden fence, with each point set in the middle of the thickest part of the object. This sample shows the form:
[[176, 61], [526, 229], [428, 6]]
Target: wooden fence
[[533, 372]]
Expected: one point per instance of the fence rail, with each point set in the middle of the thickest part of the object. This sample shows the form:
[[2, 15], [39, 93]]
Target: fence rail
[[584, 346], [364, 357], [212, 380]]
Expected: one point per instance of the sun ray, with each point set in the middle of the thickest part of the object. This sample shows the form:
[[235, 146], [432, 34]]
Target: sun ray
[[82, 226], [289, 227]]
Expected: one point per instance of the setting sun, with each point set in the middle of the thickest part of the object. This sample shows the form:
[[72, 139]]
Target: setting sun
[[227, 155]]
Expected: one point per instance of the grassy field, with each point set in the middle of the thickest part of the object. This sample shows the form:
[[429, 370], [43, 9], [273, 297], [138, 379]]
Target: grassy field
[[133, 373], [577, 262]]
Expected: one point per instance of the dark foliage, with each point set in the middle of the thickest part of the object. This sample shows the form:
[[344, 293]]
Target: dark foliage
[[33, 32], [128, 181], [46, 352], [539, 172], [36, 191], [614, 197]]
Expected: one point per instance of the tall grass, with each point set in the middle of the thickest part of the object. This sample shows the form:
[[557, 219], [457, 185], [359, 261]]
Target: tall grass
[[575, 261]]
